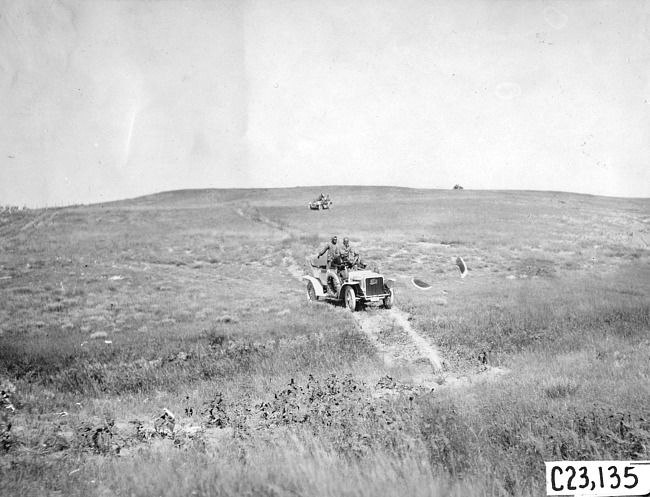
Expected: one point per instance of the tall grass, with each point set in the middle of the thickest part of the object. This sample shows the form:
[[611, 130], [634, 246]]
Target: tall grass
[[183, 302], [562, 314]]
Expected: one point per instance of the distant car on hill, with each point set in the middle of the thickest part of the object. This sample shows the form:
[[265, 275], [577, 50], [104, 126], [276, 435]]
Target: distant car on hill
[[320, 203]]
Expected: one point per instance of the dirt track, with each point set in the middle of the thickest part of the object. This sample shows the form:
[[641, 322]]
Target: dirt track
[[396, 339], [399, 344]]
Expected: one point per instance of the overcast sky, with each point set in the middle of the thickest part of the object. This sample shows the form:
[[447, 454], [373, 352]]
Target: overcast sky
[[104, 100]]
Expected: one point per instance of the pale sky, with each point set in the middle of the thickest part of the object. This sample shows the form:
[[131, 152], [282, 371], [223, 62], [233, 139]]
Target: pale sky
[[105, 100]]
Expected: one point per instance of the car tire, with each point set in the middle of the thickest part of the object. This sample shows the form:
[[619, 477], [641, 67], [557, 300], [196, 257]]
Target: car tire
[[311, 292], [388, 300], [350, 298]]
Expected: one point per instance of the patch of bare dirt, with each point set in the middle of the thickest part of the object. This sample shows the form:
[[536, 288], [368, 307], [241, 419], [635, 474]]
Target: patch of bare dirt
[[294, 268], [402, 346], [396, 339]]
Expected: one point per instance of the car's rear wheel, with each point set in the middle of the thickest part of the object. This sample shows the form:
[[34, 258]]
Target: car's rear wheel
[[311, 292], [388, 300], [350, 298]]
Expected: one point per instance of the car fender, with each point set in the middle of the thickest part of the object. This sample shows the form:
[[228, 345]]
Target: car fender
[[389, 282], [318, 287], [355, 284]]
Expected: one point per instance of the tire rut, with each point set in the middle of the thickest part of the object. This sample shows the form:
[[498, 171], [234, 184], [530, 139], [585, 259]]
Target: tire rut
[[41, 219], [252, 214], [401, 345], [398, 341]]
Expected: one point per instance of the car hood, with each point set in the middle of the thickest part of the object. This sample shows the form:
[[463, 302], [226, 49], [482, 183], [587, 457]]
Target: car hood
[[363, 274]]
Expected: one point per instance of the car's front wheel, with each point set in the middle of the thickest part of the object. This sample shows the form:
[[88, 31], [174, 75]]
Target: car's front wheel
[[350, 298], [388, 300]]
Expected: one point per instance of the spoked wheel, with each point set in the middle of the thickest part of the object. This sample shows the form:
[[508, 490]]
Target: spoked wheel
[[350, 298], [311, 292]]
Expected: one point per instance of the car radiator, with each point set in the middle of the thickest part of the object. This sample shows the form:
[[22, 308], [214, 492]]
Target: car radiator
[[374, 286]]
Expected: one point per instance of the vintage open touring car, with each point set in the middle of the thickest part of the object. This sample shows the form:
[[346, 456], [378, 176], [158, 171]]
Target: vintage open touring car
[[320, 203], [353, 286]]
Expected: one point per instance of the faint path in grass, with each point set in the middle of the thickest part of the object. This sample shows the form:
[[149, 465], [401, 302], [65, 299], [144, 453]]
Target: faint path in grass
[[252, 214], [45, 217], [295, 269]]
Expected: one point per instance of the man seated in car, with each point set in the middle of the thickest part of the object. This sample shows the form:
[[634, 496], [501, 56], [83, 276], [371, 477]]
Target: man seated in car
[[348, 259]]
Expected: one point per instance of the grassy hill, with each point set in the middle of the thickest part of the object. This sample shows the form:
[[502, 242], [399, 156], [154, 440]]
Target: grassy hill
[[190, 303]]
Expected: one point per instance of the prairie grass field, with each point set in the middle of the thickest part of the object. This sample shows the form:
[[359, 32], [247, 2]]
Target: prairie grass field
[[165, 345]]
